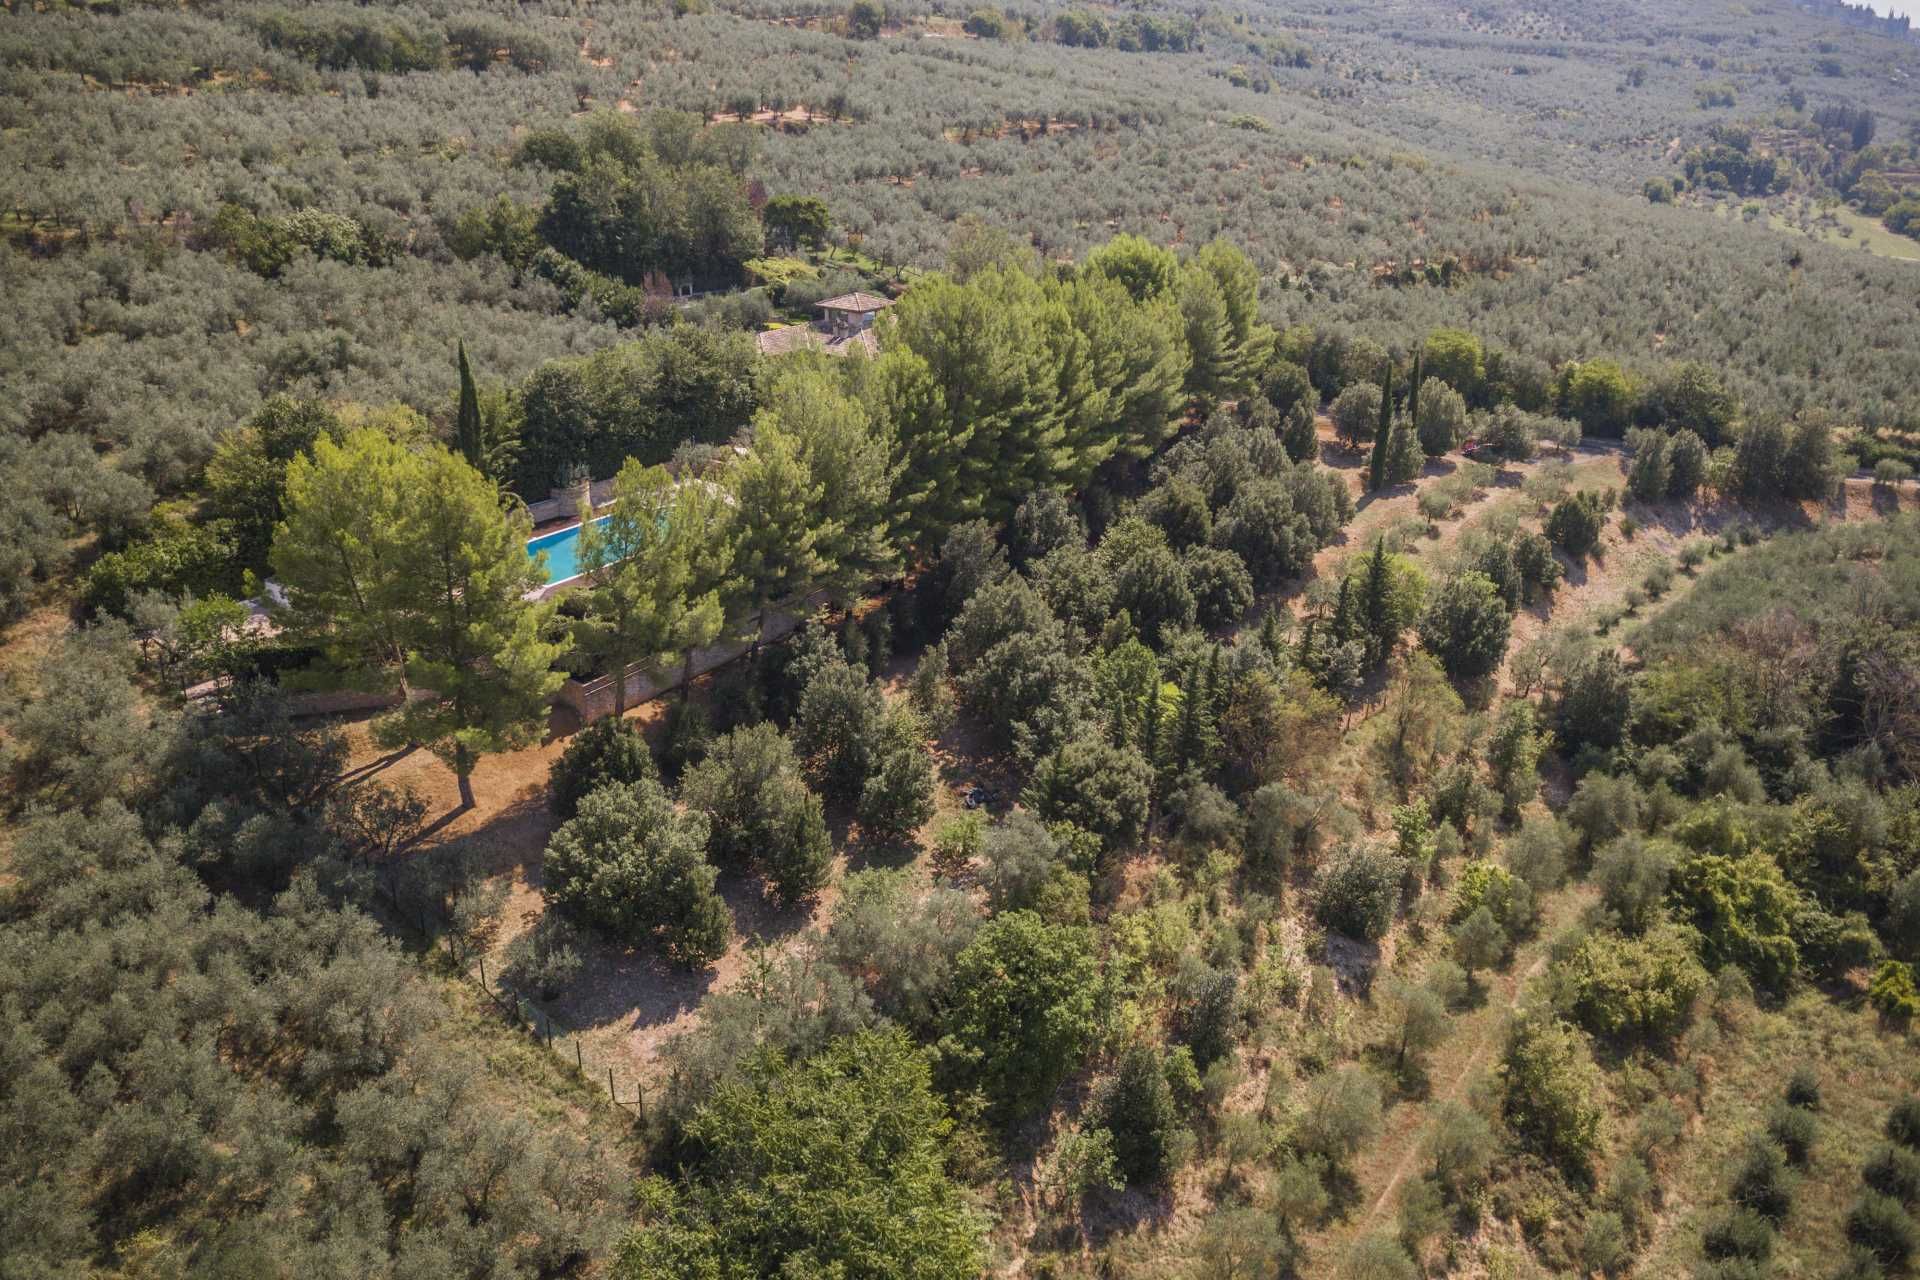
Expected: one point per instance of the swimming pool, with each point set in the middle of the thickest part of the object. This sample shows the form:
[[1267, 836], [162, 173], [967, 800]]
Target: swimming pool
[[563, 552]]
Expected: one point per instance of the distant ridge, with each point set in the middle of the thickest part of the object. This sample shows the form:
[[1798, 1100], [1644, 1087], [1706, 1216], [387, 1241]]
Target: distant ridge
[[1866, 15]]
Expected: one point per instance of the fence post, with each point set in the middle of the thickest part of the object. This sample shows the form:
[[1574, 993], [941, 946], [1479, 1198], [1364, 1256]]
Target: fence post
[[610, 1093], [483, 976], [579, 1063]]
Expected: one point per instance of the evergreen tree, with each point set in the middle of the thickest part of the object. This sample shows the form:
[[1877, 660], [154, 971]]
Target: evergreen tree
[[637, 573], [1413, 394], [847, 459], [336, 556], [1376, 605], [1271, 638], [468, 435], [1340, 630], [1405, 457], [700, 520], [1196, 738], [463, 573], [1377, 464], [777, 504]]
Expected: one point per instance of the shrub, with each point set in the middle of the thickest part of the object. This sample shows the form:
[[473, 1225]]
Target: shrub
[[1903, 1123], [760, 813], [1738, 1233], [1894, 1171], [1744, 909], [900, 940], [1893, 992], [1763, 1183], [1021, 1011], [545, 959], [1634, 988], [1137, 1107], [607, 752], [1794, 1130], [856, 1126], [956, 846], [1357, 891], [1604, 1245], [1552, 1091], [1803, 1088], [1575, 523], [1883, 1227], [1019, 857], [629, 863]]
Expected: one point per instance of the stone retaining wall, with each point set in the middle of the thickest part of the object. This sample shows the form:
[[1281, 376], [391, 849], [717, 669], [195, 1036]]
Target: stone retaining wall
[[592, 699]]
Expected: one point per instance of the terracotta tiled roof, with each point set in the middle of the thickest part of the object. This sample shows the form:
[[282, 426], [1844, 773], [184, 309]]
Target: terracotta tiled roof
[[856, 301], [777, 342]]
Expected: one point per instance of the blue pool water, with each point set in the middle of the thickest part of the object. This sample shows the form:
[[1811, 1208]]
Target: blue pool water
[[563, 552]]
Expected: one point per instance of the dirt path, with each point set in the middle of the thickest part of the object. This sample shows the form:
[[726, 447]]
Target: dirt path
[[1474, 1038], [1376, 514]]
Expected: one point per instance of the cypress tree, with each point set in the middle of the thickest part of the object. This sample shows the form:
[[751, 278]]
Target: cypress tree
[[1270, 638], [1150, 730], [1377, 465], [467, 424], [1189, 733], [1376, 605], [1194, 747], [1342, 626], [1413, 395]]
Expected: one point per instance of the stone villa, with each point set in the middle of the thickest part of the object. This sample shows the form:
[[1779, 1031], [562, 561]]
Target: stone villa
[[845, 322]]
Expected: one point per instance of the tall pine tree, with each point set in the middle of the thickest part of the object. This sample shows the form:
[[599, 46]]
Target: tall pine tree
[[474, 638], [1377, 465]]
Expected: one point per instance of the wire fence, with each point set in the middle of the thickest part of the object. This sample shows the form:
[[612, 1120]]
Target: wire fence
[[566, 1042]]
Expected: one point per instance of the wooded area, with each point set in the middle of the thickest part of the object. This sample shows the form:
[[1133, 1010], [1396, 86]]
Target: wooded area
[[1356, 708]]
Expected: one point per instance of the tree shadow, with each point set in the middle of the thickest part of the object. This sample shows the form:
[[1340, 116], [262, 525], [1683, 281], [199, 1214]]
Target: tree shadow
[[1343, 1191], [380, 765], [757, 918], [629, 989], [1108, 1215], [966, 757], [512, 839], [1354, 964], [1411, 1080]]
